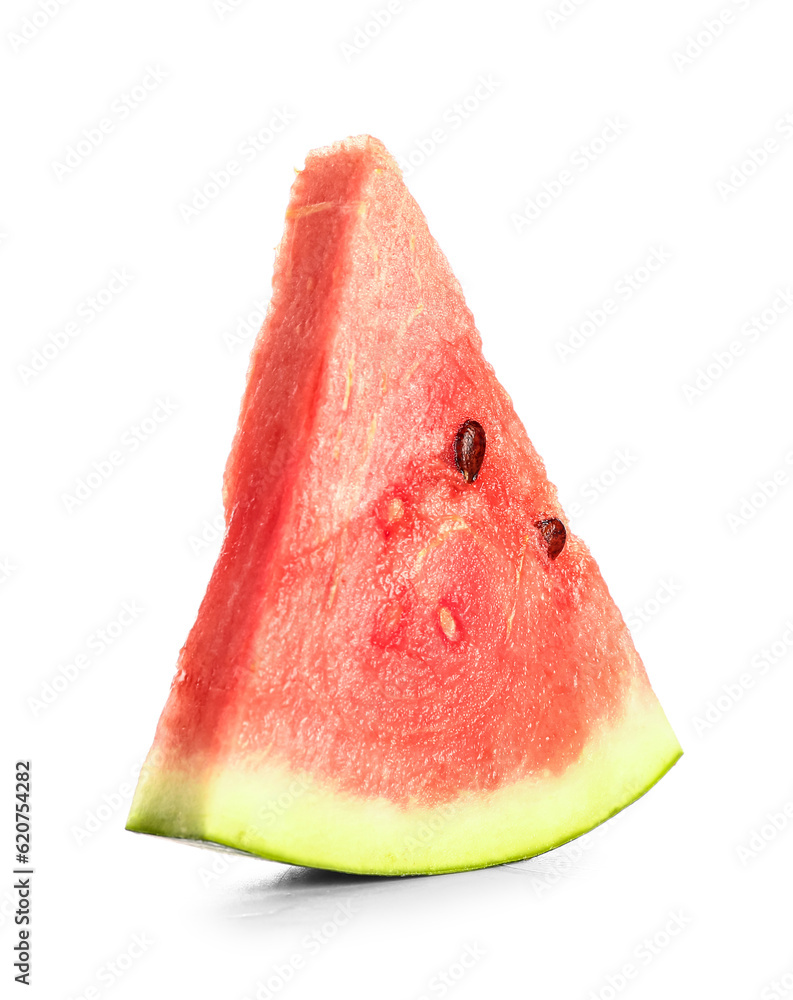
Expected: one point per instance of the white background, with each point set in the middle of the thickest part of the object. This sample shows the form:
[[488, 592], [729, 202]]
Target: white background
[[561, 926]]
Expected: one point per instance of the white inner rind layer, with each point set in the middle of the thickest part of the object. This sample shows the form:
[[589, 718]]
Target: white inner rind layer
[[275, 813]]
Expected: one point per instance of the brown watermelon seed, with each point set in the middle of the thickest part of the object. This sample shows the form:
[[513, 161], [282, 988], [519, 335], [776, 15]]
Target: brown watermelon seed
[[554, 535], [469, 449]]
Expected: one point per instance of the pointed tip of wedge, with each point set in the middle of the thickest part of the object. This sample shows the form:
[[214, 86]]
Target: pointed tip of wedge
[[360, 146]]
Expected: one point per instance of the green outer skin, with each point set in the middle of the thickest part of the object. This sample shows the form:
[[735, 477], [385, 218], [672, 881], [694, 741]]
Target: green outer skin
[[264, 809]]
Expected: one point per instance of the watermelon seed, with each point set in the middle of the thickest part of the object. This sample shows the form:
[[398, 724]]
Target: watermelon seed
[[448, 624], [387, 624], [554, 535], [469, 449], [393, 615], [396, 510]]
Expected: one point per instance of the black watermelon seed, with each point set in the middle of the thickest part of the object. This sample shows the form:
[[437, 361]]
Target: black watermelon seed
[[554, 535], [469, 449]]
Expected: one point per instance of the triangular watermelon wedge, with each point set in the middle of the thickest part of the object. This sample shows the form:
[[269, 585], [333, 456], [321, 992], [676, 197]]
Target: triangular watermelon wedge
[[405, 661]]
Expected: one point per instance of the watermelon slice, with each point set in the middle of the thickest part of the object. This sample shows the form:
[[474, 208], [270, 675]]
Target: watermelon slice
[[405, 661]]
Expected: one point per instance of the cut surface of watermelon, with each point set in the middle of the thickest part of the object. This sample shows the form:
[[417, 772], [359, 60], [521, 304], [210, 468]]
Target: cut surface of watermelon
[[405, 661]]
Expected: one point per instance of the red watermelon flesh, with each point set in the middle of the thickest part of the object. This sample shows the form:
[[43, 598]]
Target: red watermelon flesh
[[392, 641]]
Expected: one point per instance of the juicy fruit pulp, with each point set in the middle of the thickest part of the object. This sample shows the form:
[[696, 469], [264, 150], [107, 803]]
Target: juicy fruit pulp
[[400, 634]]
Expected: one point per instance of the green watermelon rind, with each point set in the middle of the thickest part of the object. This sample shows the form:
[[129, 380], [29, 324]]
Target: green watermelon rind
[[269, 812]]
